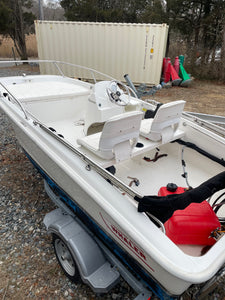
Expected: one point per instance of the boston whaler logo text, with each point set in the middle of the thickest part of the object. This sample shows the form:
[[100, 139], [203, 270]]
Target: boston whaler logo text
[[127, 241]]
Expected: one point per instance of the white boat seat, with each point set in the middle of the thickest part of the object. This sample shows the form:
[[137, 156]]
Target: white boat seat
[[165, 122], [117, 139]]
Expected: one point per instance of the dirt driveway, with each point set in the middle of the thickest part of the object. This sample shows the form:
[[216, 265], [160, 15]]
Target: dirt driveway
[[202, 96]]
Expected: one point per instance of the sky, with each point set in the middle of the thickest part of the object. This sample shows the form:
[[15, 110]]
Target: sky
[[46, 1]]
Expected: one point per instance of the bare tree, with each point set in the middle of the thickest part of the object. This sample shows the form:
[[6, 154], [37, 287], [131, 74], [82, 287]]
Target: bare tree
[[19, 33], [17, 21]]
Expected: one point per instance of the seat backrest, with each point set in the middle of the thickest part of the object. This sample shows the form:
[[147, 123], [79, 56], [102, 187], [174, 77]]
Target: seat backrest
[[120, 134], [166, 120]]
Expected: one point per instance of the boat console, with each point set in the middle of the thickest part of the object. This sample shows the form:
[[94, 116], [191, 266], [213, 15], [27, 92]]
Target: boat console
[[107, 100]]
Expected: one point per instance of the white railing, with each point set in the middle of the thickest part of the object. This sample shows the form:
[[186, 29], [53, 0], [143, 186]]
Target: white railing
[[56, 64]]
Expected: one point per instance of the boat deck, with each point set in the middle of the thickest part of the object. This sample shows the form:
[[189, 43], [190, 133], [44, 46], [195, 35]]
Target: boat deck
[[73, 130], [151, 175]]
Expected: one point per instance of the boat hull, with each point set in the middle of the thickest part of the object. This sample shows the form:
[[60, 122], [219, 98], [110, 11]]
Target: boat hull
[[101, 222], [111, 215], [50, 163]]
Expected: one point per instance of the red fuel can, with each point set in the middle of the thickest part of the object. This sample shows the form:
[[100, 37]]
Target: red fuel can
[[192, 225]]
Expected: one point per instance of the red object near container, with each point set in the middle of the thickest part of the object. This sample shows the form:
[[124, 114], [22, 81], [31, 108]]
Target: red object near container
[[177, 64], [164, 67], [167, 71], [192, 225], [176, 80]]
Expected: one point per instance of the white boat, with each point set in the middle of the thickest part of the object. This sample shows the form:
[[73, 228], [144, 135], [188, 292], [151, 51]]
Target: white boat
[[93, 144]]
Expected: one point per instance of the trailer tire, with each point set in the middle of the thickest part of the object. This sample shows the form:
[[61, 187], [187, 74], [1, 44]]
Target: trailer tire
[[65, 258]]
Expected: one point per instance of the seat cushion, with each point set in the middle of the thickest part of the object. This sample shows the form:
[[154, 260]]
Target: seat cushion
[[90, 141], [146, 126]]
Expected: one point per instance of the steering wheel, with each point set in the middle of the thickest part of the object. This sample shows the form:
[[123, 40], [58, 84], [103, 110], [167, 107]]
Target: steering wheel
[[116, 94]]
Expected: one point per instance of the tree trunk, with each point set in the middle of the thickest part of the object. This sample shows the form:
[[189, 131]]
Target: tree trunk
[[19, 39], [222, 72]]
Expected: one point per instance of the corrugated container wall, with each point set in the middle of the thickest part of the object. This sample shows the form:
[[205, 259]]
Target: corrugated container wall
[[115, 49]]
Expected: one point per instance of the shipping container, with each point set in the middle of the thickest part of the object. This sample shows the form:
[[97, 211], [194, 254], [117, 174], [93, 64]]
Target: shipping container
[[115, 49]]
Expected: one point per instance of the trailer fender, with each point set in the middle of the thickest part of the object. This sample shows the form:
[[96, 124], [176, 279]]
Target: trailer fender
[[93, 267]]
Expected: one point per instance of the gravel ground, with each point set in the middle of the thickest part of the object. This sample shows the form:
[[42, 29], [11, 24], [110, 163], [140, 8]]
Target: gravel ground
[[28, 267]]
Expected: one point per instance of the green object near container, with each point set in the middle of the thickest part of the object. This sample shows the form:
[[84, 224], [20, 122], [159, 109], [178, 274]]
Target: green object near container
[[181, 59], [186, 80]]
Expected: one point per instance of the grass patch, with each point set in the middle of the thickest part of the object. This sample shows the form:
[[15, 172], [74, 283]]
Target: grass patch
[[6, 46]]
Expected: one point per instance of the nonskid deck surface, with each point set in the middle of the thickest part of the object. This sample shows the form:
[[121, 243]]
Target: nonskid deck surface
[[70, 129], [151, 174], [39, 88]]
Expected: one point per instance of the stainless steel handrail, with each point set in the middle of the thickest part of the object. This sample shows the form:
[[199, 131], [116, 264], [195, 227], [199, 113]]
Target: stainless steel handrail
[[56, 64], [16, 100], [58, 68]]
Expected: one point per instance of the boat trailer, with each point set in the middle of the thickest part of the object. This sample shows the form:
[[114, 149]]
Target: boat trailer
[[81, 253]]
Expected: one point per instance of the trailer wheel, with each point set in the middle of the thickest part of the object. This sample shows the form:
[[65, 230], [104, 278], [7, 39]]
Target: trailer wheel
[[65, 258]]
